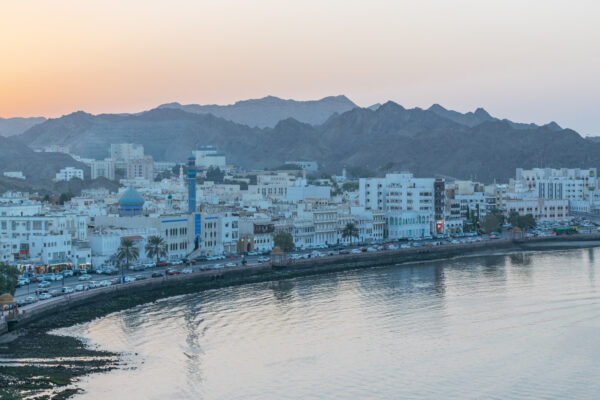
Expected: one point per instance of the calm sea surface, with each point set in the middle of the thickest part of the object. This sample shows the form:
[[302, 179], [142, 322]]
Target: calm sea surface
[[522, 326]]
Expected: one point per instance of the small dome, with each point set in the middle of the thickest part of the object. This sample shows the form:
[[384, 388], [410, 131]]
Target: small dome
[[6, 299], [131, 198], [192, 157]]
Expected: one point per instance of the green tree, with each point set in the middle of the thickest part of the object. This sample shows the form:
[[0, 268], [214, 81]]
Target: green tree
[[65, 197], [521, 221], [156, 247], [490, 223], [215, 175], [350, 186], [8, 279], [127, 251], [284, 241], [350, 231], [46, 198]]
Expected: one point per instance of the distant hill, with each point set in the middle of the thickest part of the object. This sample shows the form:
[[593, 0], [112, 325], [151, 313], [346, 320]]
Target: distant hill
[[480, 116], [268, 111], [426, 142], [16, 126], [40, 169]]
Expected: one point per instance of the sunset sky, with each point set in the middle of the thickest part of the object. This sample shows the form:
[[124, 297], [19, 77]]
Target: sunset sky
[[529, 61]]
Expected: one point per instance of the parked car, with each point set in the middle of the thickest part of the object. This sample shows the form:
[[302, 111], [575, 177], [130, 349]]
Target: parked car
[[129, 278], [371, 249], [85, 277], [217, 266], [149, 265], [252, 253], [263, 259], [140, 277], [172, 271], [105, 283], [45, 296], [94, 284], [162, 264], [230, 265], [30, 299], [44, 285], [186, 271], [295, 256], [157, 275], [67, 273], [55, 292], [355, 251], [67, 290], [178, 262], [80, 288]]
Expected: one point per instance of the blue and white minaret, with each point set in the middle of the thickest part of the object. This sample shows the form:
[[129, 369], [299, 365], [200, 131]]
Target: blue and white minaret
[[191, 178]]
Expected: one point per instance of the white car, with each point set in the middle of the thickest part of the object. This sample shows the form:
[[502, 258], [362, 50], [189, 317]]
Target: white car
[[295, 256], [231, 265], [105, 283], [186, 271], [252, 253], [218, 266], [129, 278], [85, 277], [80, 288], [355, 251], [45, 296], [67, 290], [263, 259], [371, 249]]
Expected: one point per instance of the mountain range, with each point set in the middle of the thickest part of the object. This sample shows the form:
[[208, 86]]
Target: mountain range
[[268, 111], [15, 126], [427, 142]]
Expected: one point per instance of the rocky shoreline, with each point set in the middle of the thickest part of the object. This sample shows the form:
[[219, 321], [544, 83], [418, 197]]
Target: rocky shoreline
[[39, 365]]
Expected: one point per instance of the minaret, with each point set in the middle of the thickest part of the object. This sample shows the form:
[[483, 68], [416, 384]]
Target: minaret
[[191, 177], [181, 182]]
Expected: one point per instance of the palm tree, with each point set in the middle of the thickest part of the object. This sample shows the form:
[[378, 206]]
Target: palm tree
[[127, 251], [350, 231], [156, 247]]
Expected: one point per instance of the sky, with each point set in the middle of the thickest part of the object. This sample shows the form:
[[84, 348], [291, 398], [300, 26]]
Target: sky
[[529, 61]]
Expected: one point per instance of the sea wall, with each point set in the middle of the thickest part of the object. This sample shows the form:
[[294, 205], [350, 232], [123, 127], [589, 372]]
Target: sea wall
[[152, 288]]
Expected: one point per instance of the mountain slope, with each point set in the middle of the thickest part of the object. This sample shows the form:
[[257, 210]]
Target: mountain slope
[[422, 141], [268, 111], [16, 126]]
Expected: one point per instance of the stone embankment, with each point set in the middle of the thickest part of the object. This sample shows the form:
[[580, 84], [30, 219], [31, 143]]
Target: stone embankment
[[151, 288]]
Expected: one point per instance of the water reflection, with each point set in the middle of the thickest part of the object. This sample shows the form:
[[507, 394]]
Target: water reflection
[[518, 326]]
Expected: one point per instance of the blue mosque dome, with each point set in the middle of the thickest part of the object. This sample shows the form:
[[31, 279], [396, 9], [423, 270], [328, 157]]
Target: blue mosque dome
[[131, 203], [131, 198]]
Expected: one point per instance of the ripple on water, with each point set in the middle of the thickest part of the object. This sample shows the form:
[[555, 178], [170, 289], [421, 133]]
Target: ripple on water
[[518, 326]]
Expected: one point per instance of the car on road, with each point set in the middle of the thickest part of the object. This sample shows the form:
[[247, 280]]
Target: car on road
[[178, 262], [263, 259], [30, 299], [67, 290], [162, 264], [186, 271], [67, 273], [55, 292], [371, 249], [81, 288], [231, 265], [217, 266], [44, 285], [295, 256], [157, 275], [140, 277], [85, 277], [45, 296], [252, 253], [22, 282], [129, 278], [149, 265], [172, 271], [94, 284], [105, 283], [355, 251]]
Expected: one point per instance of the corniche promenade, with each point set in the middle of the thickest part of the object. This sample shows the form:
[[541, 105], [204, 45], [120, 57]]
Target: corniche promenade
[[152, 289]]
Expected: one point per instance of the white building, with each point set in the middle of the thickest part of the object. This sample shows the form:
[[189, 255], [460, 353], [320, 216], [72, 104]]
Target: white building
[[124, 152], [208, 156], [309, 166], [68, 173], [103, 169], [14, 174], [140, 168], [273, 185], [408, 203], [543, 210]]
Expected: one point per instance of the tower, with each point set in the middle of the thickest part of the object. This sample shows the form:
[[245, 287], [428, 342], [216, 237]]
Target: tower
[[191, 177]]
